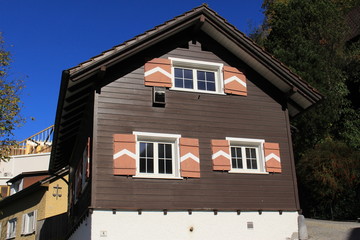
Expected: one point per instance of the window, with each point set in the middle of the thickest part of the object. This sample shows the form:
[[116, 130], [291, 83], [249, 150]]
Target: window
[[28, 223], [16, 187], [246, 155], [11, 228], [157, 155], [199, 76]]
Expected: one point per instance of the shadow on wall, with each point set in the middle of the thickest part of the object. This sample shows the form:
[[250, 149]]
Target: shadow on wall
[[53, 228], [354, 234]]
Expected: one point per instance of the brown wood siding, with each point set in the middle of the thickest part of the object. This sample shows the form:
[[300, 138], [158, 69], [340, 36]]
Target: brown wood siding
[[125, 106]]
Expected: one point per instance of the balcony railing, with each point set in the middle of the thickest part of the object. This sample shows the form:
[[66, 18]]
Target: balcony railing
[[40, 142]]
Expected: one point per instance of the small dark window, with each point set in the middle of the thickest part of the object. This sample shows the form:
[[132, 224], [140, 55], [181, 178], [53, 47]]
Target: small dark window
[[159, 96]]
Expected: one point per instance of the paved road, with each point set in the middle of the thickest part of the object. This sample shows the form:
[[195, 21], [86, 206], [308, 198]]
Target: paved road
[[332, 230]]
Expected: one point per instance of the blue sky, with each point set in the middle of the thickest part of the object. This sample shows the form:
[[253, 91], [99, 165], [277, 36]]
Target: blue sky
[[46, 37]]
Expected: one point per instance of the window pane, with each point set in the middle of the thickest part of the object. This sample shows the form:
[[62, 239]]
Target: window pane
[[183, 78], [150, 165], [211, 86], [188, 84], [251, 160], [238, 152], [165, 160], [236, 157], [149, 150], [142, 149], [188, 74], [161, 148], [143, 165], [254, 164], [210, 77], [201, 85], [233, 157], [146, 157], [161, 166], [206, 80], [200, 75], [168, 166], [179, 82], [179, 73], [168, 151]]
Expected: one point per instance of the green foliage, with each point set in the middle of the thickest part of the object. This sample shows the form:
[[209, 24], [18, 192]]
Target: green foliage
[[311, 38], [10, 104], [329, 176], [307, 40]]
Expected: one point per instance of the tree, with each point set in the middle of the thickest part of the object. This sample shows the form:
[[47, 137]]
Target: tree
[[310, 38], [330, 175], [10, 103]]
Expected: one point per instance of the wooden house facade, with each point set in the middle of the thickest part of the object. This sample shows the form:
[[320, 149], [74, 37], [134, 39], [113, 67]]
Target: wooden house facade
[[181, 133]]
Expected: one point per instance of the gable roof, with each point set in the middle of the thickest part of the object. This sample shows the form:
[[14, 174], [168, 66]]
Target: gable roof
[[40, 184], [28, 174], [79, 81]]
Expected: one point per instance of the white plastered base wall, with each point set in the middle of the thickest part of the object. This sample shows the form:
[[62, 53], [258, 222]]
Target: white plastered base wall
[[151, 225], [83, 231]]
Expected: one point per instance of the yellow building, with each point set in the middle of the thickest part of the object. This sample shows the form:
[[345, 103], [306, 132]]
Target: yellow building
[[37, 207]]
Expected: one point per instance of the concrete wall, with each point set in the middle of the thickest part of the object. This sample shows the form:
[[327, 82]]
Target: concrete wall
[[84, 230], [151, 225], [23, 163]]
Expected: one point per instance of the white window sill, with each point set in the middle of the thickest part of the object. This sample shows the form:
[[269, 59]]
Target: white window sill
[[247, 172], [196, 91], [155, 176], [26, 234]]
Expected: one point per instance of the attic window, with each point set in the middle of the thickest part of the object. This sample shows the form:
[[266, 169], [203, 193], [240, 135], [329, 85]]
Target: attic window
[[197, 76]]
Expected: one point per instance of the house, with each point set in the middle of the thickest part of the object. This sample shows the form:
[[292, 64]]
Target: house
[[37, 207], [181, 133], [31, 154]]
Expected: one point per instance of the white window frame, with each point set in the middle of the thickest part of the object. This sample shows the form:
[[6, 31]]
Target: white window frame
[[10, 223], [28, 227], [16, 186], [258, 144], [158, 138], [195, 65]]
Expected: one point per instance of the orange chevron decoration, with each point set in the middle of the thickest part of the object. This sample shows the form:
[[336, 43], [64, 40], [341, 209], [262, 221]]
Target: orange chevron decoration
[[124, 154], [221, 155], [158, 72], [272, 157], [234, 81], [189, 157]]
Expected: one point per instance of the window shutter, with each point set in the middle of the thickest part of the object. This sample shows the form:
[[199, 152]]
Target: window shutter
[[272, 157], [23, 225], [189, 157], [221, 155], [234, 81], [124, 154], [158, 73], [35, 221]]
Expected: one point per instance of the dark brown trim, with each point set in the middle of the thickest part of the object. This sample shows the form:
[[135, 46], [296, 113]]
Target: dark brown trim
[[94, 148], [292, 160], [237, 210]]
